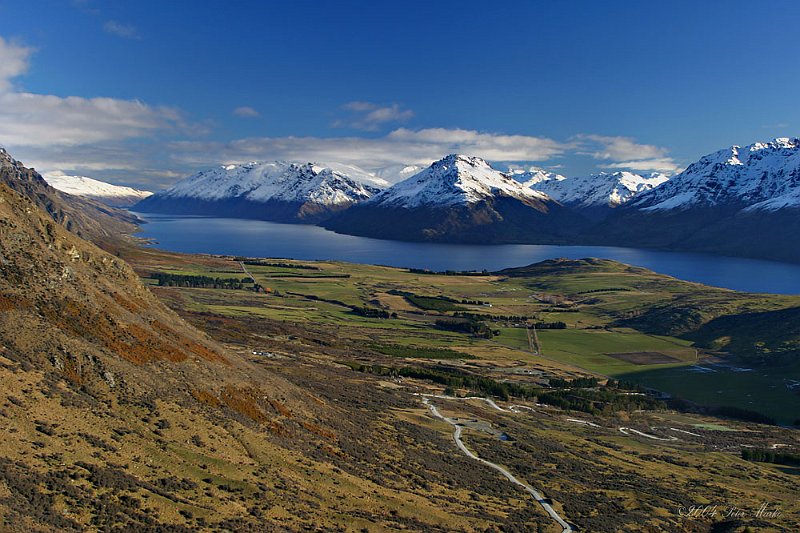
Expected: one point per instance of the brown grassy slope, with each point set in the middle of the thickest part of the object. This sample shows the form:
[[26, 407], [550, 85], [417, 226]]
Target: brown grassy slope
[[59, 290]]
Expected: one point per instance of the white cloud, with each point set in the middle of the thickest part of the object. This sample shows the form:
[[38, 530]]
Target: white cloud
[[660, 165], [625, 153], [400, 147], [57, 133], [13, 62], [126, 31], [246, 112], [368, 116], [28, 119], [620, 147]]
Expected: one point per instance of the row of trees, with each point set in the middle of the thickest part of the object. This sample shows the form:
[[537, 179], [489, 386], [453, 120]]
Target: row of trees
[[441, 304], [625, 385], [360, 310], [372, 312], [442, 376], [470, 327], [280, 265], [771, 456], [577, 383], [496, 318], [185, 280], [426, 352], [483, 272]]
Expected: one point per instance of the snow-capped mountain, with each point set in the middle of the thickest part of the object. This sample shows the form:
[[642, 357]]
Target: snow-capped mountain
[[755, 177], [278, 191], [459, 199], [736, 201], [534, 176], [598, 190], [113, 195], [454, 180]]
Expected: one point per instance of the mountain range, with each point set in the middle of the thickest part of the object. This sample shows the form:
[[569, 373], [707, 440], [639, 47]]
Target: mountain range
[[459, 199], [277, 191], [106, 193], [737, 201], [597, 194]]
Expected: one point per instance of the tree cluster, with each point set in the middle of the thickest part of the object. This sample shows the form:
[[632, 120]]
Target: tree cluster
[[771, 456], [207, 282]]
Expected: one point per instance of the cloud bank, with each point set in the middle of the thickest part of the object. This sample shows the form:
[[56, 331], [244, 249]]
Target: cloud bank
[[56, 130], [150, 146], [626, 153], [399, 147]]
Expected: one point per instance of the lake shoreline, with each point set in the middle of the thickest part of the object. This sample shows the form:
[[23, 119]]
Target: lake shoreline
[[256, 238]]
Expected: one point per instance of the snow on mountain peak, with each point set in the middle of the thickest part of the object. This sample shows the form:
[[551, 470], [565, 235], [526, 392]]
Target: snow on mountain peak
[[454, 180], [533, 176], [279, 180], [598, 190], [114, 195], [762, 175]]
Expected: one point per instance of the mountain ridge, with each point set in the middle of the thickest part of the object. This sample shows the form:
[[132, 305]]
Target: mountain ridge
[[279, 191], [597, 194], [84, 217], [737, 201], [100, 191], [459, 199], [453, 180]]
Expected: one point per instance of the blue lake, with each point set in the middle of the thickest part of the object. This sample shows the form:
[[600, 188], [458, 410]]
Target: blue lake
[[257, 238]]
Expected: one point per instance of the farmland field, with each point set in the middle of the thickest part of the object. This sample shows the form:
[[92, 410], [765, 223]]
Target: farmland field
[[605, 307]]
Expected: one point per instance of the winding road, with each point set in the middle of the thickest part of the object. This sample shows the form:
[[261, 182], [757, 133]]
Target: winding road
[[566, 528]]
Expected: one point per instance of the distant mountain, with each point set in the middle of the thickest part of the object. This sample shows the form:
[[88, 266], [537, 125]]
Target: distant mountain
[[761, 176], [534, 176], [276, 191], [738, 201], [113, 195], [596, 194], [459, 199], [84, 217]]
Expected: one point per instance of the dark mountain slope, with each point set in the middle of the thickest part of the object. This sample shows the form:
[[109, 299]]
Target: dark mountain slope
[[460, 199], [86, 218], [742, 201]]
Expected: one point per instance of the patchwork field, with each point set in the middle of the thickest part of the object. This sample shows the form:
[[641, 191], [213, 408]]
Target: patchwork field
[[617, 321]]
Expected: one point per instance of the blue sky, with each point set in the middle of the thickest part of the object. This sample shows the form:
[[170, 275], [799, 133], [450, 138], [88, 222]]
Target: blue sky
[[145, 92]]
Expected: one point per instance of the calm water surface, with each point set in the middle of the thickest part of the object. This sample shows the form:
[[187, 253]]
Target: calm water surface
[[257, 238]]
